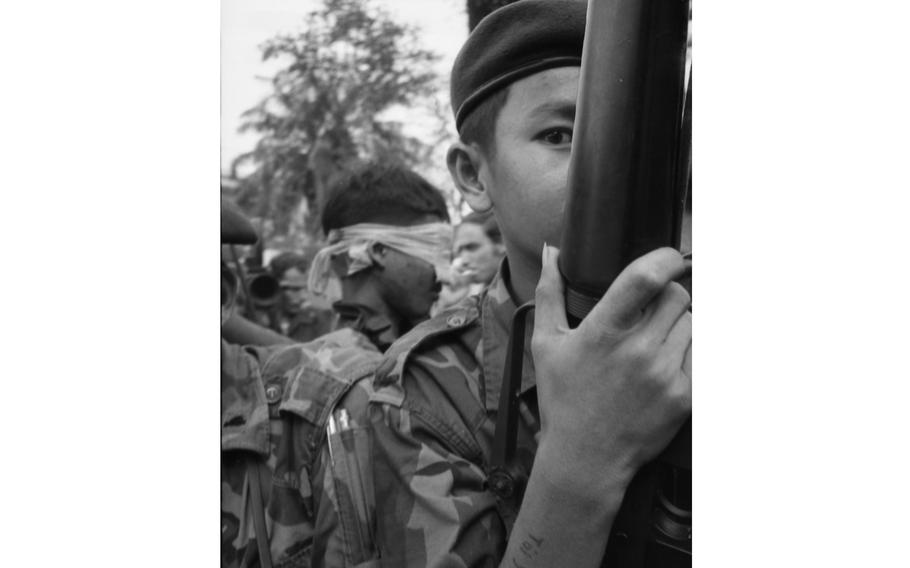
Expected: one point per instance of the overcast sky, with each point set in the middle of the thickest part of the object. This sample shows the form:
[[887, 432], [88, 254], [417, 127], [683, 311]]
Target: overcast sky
[[246, 24]]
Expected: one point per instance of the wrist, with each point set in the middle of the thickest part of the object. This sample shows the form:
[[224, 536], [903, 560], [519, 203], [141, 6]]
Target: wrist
[[591, 485]]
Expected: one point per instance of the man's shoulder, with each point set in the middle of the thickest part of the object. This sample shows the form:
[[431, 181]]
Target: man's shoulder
[[344, 353], [309, 379], [289, 393], [304, 379], [443, 347]]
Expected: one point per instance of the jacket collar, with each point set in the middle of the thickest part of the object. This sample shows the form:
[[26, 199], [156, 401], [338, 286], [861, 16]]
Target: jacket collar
[[497, 308]]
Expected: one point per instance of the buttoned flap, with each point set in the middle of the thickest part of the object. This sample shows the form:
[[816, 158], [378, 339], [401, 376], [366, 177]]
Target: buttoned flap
[[312, 394], [309, 379]]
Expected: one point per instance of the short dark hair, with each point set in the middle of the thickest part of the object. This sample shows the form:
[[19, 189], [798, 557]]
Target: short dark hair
[[285, 261], [487, 221], [382, 193], [479, 127]]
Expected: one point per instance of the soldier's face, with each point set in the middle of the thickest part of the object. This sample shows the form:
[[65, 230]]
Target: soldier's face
[[409, 285], [293, 289], [476, 256], [525, 173]]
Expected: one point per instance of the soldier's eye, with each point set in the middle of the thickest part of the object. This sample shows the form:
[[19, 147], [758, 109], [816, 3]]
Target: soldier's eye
[[556, 136]]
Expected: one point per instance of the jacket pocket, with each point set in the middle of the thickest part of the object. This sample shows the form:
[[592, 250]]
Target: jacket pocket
[[350, 451]]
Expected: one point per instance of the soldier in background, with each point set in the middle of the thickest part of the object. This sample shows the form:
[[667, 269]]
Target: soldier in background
[[477, 251], [235, 329], [596, 402], [478, 248], [286, 498], [388, 241], [296, 484], [299, 318]]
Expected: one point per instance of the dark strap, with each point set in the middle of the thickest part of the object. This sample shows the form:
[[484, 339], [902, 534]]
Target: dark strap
[[506, 478], [504, 437], [262, 535]]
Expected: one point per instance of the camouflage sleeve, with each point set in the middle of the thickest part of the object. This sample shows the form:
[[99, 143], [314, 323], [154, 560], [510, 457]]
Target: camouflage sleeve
[[431, 501], [274, 417]]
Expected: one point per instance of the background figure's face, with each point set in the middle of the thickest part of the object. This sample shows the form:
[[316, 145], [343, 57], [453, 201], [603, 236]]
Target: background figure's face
[[526, 171], [293, 290], [408, 285], [476, 256]]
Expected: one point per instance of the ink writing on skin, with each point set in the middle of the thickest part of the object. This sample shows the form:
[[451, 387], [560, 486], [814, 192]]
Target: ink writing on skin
[[530, 547]]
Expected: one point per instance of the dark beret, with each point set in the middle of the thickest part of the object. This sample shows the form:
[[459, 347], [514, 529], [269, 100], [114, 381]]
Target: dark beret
[[235, 228], [517, 40]]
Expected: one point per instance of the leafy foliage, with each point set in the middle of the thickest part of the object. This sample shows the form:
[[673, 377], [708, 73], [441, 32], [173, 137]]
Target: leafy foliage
[[349, 67]]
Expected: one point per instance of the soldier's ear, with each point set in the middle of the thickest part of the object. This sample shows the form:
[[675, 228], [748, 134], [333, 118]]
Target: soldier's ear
[[466, 164]]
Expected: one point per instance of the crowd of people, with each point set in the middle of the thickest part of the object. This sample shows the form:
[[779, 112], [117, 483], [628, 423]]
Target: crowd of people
[[359, 412], [369, 276]]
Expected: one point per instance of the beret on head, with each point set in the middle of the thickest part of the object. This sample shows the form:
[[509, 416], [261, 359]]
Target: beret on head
[[517, 40], [235, 228]]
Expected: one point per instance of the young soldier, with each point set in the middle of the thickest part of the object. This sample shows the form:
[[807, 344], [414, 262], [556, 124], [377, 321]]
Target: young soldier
[[296, 482], [598, 401]]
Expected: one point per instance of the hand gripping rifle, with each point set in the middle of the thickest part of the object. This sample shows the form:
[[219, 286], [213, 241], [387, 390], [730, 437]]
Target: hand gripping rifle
[[628, 177]]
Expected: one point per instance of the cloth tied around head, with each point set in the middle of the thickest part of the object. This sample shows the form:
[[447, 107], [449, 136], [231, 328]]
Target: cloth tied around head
[[431, 242]]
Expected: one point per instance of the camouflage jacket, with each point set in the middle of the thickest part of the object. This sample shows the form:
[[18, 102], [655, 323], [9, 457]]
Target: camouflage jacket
[[433, 412], [292, 416]]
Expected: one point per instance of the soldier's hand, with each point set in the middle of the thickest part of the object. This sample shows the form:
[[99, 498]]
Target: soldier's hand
[[615, 390]]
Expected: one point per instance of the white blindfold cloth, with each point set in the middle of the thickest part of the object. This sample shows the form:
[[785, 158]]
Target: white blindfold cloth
[[431, 242]]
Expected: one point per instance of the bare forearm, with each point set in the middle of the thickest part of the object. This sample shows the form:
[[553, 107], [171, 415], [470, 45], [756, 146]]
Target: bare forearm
[[241, 331], [561, 523]]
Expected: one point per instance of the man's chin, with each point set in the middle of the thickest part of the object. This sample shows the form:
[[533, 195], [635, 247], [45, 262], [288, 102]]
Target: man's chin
[[295, 311]]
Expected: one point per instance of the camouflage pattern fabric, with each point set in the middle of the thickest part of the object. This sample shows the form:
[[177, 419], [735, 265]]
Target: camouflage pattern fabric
[[433, 412], [308, 324], [276, 405]]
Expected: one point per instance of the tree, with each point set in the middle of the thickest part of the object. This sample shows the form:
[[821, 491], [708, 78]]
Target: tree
[[351, 64]]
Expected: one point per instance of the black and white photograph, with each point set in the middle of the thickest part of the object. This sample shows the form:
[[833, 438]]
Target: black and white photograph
[[431, 212], [457, 283]]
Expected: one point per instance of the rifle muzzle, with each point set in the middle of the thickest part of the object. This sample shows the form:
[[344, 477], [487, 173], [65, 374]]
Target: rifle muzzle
[[264, 289]]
